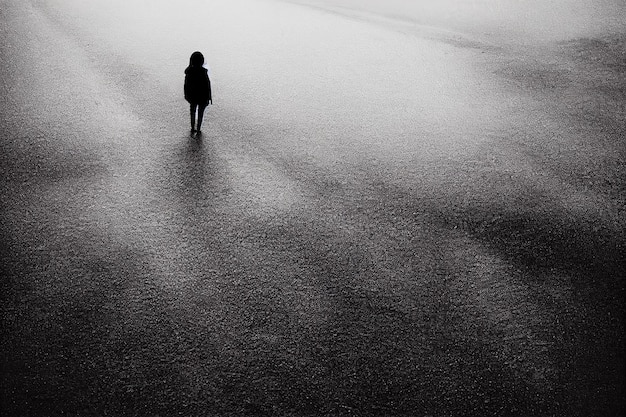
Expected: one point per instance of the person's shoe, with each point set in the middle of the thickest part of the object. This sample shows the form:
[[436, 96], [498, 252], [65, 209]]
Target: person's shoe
[[193, 130]]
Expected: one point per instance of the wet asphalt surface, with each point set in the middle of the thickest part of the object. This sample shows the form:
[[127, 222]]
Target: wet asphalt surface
[[378, 219]]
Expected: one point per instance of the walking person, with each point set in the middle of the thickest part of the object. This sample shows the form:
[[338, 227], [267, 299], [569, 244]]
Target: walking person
[[197, 89]]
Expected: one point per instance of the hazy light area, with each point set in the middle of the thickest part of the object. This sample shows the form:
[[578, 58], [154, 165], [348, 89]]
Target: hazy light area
[[519, 20]]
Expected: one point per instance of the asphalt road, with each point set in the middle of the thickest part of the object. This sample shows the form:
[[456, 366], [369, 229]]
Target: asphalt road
[[381, 217]]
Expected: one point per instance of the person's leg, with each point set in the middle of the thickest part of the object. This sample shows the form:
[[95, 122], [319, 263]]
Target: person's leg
[[192, 114], [201, 108]]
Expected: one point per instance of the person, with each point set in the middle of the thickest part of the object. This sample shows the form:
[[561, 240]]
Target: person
[[197, 89]]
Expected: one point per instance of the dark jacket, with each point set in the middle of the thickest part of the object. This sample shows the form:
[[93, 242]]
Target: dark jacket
[[197, 85]]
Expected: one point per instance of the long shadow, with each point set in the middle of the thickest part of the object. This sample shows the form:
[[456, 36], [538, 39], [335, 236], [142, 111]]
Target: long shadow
[[371, 356], [196, 174]]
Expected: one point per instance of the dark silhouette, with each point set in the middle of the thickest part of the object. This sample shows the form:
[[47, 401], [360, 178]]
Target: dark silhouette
[[197, 89]]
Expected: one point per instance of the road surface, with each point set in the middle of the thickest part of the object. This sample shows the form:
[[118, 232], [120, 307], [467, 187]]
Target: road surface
[[382, 217]]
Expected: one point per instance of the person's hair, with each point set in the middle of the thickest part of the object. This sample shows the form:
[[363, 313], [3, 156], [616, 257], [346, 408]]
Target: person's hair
[[196, 59]]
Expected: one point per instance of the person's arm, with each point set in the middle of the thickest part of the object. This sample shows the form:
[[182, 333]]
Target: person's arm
[[186, 87], [209, 85]]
